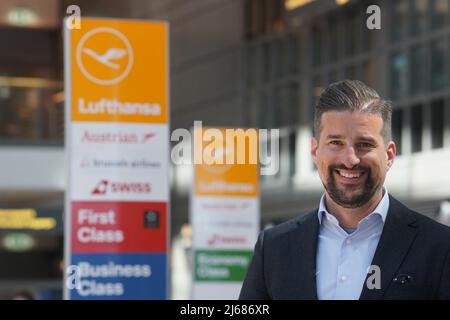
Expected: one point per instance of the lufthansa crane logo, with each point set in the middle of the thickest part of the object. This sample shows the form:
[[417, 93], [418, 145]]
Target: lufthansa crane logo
[[219, 158], [104, 56]]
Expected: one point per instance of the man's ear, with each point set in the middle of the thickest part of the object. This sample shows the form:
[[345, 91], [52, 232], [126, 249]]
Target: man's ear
[[391, 151], [314, 147]]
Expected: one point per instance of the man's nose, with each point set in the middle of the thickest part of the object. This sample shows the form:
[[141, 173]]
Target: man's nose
[[350, 157]]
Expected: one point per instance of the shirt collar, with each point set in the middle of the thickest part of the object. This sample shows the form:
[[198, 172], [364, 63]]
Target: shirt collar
[[381, 209]]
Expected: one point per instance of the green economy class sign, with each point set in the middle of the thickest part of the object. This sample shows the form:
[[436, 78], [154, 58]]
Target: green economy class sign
[[221, 265]]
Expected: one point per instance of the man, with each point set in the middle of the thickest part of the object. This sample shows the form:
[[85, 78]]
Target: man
[[361, 243]]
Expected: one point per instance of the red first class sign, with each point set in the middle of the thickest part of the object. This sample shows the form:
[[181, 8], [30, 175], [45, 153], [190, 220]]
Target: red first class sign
[[121, 227]]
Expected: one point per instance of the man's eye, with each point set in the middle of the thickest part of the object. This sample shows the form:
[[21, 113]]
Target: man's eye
[[365, 145], [336, 142]]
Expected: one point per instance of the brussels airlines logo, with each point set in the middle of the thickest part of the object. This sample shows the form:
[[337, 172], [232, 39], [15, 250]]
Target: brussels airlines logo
[[104, 187], [104, 56]]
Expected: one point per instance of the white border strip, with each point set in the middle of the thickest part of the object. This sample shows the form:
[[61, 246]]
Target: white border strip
[[67, 149]]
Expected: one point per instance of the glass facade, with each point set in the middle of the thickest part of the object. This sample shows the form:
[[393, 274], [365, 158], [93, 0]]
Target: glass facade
[[418, 23], [31, 87], [437, 123], [397, 126], [416, 127], [398, 75], [418, 83], [31, 114], [398, 13], [439, 73], [271, 82], [408, 62], [407, 65]]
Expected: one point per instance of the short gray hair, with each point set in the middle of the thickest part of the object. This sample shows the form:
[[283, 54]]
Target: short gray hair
[[353, 95]]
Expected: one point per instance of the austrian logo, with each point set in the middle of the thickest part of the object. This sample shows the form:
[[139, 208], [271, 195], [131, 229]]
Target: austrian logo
[[116, 137]]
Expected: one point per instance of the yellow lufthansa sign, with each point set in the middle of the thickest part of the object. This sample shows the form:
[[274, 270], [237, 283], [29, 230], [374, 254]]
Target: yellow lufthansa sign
[[226, 162], [119, 71]]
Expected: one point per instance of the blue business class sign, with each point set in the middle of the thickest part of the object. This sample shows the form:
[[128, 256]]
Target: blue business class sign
[[118, 276]]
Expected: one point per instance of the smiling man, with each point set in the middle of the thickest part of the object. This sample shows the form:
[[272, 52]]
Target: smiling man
[[361, 243]]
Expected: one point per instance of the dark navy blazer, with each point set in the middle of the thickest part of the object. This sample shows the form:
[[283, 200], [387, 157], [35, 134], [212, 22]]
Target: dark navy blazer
[[413, 255]]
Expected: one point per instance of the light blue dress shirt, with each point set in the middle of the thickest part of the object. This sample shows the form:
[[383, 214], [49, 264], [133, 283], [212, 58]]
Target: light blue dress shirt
[[344, 257]]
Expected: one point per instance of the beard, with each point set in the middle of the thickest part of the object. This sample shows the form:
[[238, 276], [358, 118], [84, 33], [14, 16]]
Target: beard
[[348, 196]]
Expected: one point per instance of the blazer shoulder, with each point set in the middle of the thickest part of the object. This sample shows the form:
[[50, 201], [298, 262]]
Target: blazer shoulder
[[290, 225], [433, 227], [427, 225]]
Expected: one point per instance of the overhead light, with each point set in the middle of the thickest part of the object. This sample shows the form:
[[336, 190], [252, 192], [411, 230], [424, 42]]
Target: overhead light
[[444, 212], [22, 16], [294, 4], [445, 208], [30, 82], [18, 242], [5, 92], [342, 2], [58, 97]]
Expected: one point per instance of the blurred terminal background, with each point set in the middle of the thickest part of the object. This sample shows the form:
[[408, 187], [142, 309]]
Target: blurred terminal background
[[251, 63]]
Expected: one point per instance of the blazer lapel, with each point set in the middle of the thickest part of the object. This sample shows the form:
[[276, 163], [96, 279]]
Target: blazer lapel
[[303, 260], [398, 234]]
